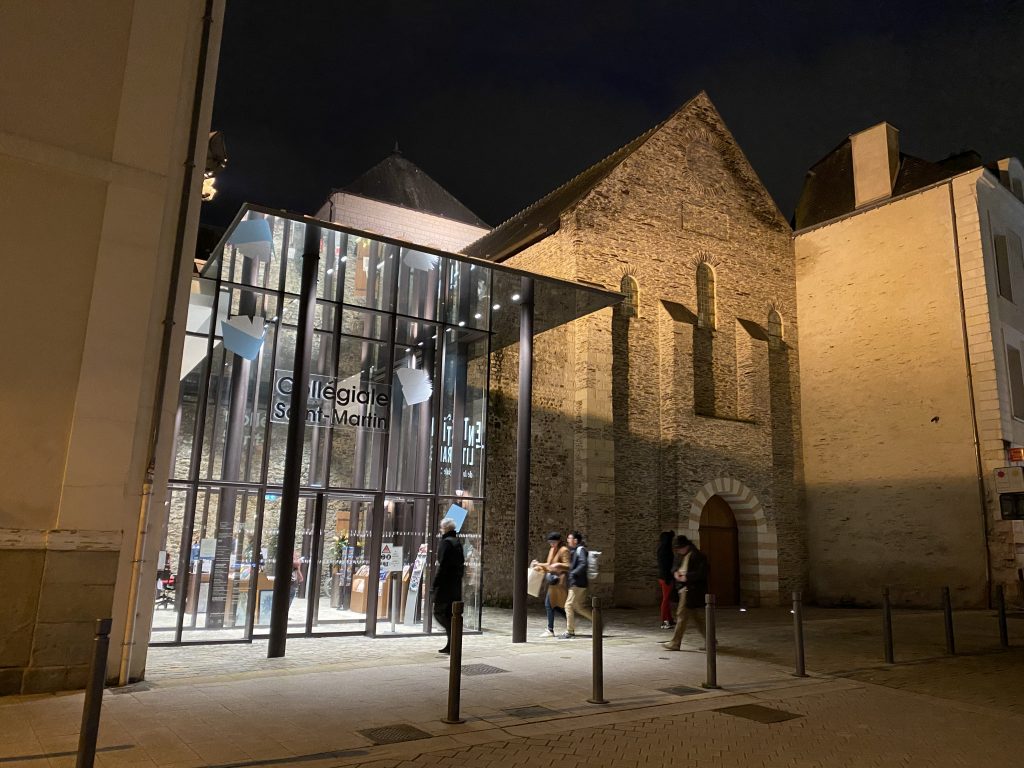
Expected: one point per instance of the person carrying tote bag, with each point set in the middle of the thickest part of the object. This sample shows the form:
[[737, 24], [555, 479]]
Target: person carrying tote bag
[[553, 571]]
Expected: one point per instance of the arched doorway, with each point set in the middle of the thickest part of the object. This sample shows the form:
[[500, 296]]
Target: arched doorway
[[720, 541]]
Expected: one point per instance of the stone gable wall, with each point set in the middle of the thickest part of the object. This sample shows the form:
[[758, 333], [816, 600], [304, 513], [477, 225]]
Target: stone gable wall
[[641, 453]]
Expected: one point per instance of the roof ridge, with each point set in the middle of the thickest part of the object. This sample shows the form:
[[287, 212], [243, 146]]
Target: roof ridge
[[638, 140]]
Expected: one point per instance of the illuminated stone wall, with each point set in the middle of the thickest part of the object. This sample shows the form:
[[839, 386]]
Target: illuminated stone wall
[[641, 457]]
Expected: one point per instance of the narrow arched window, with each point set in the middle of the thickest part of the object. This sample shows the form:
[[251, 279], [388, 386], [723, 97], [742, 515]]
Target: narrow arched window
[[775, 328], [631, 290], [705, 296]]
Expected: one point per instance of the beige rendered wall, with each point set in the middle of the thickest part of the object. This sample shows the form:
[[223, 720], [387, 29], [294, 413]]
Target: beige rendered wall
[[95, 106], [987, 209], [889, 460]]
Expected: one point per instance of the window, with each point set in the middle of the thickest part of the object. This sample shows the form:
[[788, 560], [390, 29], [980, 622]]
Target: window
[[1016, 381], [631, 306], [774, 328], [705, 296], [1003, 268]]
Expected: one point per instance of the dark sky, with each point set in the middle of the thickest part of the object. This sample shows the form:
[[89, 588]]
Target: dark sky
[[501, 102]]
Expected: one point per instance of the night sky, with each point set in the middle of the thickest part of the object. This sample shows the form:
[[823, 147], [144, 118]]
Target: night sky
[[501, 102]]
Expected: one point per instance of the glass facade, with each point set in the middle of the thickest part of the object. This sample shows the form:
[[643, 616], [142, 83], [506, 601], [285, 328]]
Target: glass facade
[[394, 429]]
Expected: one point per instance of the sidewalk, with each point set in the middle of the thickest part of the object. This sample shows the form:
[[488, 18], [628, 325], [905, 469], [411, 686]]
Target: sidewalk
[[230, 706]]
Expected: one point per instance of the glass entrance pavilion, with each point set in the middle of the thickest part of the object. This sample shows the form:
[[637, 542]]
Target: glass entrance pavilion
[[334, 390]]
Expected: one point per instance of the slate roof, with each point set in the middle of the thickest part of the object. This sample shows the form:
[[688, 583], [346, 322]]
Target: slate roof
[[828, 187], [399, 181]]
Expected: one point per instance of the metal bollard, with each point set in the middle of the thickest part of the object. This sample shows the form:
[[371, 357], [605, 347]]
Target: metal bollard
[[455, 667], [947, 611], [396, 601], [1004, 635], [710, 643], [597, 626], [798, 634], [94, 696], [887, 627]]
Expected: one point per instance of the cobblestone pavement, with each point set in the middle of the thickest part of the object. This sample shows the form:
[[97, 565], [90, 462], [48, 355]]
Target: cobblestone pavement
[[228, 706]]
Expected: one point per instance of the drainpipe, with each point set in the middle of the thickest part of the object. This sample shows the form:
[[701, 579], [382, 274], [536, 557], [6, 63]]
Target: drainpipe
[[970, 392], [165, 346]]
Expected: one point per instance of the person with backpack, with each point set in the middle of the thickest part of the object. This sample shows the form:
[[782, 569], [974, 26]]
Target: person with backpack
[[576, 602]]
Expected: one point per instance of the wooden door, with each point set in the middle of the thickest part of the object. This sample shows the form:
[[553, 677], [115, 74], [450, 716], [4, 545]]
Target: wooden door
[[719, 540]]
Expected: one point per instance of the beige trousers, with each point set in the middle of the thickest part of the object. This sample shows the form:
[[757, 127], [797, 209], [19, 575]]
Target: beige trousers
[[575, 603]]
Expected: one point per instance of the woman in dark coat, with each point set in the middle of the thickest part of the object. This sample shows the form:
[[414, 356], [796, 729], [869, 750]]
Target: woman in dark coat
[[665, 578]]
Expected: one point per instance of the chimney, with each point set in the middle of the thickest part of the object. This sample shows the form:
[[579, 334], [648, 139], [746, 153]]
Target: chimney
[[876, 160]]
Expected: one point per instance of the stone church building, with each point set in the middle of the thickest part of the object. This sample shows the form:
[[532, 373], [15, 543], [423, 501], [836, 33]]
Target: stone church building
[[678, 409]]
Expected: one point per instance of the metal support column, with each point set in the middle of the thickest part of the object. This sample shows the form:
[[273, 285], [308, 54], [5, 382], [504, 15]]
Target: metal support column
[[293, 450], [521, 552]]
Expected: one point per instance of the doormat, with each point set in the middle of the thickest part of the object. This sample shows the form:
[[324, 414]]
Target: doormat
[[392, 734], [682, 690], [527, 712], [758, 714], [481, 669]]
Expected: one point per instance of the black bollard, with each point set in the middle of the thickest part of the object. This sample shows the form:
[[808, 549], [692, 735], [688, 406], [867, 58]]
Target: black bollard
[[947, 611], [94, 696], [710, 643], [1004, 635], [597, 625], [455, 667], [798, 634], [887, 627]]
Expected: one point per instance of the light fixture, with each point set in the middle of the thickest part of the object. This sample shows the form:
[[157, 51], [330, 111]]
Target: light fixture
[[462, 323], [515, 297], [408, 349], [420, 344], [477, 316], [344, 259], [496, 307], [330, 271]]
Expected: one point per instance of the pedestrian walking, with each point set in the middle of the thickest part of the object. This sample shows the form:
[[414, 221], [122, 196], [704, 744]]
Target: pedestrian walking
[[446, 587], [555, 568], [691, 574], [576, 602], [666, 581]]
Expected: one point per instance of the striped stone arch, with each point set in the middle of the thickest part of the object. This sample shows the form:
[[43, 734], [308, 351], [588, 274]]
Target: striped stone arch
[[758, 545]]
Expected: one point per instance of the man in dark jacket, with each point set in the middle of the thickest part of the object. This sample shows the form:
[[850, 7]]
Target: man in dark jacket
[[576, 602], [691, 573], [446, 587]]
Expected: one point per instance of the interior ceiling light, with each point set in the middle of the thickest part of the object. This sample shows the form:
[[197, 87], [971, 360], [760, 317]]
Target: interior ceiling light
[[496, 307], [515, 297]]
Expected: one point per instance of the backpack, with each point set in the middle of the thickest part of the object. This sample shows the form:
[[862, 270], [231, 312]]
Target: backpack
[[593, 564]]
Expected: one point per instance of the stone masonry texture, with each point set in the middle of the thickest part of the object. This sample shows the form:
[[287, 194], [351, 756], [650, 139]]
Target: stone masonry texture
[[643, 412]]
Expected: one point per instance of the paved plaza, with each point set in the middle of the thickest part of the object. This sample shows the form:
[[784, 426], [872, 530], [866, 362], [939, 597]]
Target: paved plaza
[[341, 701]]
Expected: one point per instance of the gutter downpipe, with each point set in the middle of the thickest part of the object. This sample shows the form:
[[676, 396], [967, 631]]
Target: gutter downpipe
[[165, 345], [970, 391]]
